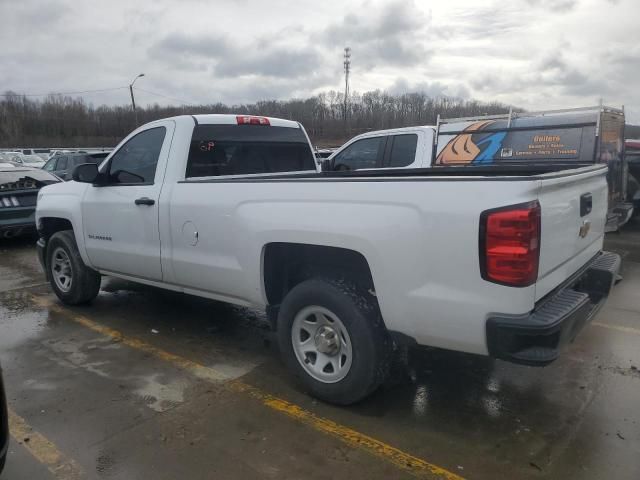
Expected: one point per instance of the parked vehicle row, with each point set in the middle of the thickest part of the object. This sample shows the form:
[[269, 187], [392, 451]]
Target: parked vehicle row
[[20, 158], [347, 264], [45, 154], [322, 153], [63, 164]]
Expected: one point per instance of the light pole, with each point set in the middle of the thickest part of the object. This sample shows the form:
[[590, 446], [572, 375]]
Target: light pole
[[133, 100], [347, 70]]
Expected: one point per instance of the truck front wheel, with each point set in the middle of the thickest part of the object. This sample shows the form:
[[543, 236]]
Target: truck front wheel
[[332, 336], [72, 281]]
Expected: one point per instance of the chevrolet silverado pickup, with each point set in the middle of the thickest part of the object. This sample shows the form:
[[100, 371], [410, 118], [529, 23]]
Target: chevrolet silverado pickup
[[504, 261]]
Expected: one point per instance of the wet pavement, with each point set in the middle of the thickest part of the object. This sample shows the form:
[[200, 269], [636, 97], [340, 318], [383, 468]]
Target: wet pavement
[[145, 383]]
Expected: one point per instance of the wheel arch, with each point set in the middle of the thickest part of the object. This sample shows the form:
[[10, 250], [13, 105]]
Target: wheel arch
[[48, 226], [51, 224], [285, 265]]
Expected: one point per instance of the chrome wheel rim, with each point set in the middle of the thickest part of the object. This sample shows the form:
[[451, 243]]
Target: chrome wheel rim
[[61, 270], [321, 344]]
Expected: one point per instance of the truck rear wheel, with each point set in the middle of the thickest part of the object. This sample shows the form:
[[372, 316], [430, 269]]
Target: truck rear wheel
[[72, 281], [332, 337]]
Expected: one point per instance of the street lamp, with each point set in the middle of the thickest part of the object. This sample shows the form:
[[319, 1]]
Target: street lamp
[[133, 101]]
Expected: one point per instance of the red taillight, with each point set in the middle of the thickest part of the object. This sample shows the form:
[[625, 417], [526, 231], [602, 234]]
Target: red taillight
[[251, 120], [510, 244]]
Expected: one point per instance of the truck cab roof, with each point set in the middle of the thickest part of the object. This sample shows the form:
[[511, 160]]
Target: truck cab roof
[[388, 131], [236, 119]]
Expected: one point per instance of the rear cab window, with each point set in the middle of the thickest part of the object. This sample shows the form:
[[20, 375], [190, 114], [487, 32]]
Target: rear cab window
[[220, 150]]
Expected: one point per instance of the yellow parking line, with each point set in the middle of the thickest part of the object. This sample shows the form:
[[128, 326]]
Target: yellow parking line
[[43, 450], [619, 328], [405, 461]]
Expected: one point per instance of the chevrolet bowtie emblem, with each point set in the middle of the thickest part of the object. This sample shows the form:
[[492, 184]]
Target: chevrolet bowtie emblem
[[584, 228]]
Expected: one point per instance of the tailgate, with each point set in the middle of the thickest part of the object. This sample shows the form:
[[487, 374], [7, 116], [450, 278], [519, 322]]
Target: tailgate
[[574, 211]]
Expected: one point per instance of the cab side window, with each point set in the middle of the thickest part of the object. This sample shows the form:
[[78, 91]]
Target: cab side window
[[364, 153], [136, 161], [403, 150]]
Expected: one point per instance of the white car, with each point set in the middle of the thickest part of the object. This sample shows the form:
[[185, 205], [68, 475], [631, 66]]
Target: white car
[[43, 153], [505, 262], [33, 161], [20, 158], [53, 153], [10, 156]]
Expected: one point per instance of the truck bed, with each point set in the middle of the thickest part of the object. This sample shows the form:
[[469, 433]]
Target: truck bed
[[491, 172]]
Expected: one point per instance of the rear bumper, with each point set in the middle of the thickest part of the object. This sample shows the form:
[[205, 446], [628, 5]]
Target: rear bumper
[[537, 338]]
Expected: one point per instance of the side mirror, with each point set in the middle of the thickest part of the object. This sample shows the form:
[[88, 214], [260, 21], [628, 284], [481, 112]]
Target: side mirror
[[86, 173], [326, 165]]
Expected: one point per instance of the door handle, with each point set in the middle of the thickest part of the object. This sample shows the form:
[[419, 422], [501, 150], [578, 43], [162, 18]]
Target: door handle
[[145, 201], [586, 204]]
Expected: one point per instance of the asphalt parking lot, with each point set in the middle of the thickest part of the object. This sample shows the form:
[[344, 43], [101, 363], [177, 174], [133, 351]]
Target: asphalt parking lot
[[151, 384]]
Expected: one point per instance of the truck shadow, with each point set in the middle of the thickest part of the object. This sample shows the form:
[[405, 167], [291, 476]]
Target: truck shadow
[[20, 242], [467, 396]]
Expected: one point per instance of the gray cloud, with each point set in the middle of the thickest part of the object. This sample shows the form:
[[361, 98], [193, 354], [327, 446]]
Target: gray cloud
[[258, 58], [393, 36], [552, 75], [434, 89], [33, 12], [554, 5], [479, 23], [180, 45], [556, 71], [533, 53], [270, 62]]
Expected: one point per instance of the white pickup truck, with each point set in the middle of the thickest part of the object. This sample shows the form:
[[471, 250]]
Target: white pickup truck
[[571, 138], [504, 261]]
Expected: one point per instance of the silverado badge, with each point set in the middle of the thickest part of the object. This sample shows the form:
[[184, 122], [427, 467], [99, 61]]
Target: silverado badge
[[584, 228]]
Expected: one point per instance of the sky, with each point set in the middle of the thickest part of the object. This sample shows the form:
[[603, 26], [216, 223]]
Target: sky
[[534, 54]]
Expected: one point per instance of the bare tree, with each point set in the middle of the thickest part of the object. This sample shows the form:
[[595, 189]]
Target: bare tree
[[57, 120]]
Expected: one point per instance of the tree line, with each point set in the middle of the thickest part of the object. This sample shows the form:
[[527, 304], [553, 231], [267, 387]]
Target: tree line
[[64, 121]]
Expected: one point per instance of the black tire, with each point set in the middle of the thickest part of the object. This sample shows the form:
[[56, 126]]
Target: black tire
[[359, 313], [85, 282]]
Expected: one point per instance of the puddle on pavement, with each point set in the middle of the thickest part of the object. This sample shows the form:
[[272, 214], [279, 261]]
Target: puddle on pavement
[[19, 320], [106, 464], [161, 395]]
